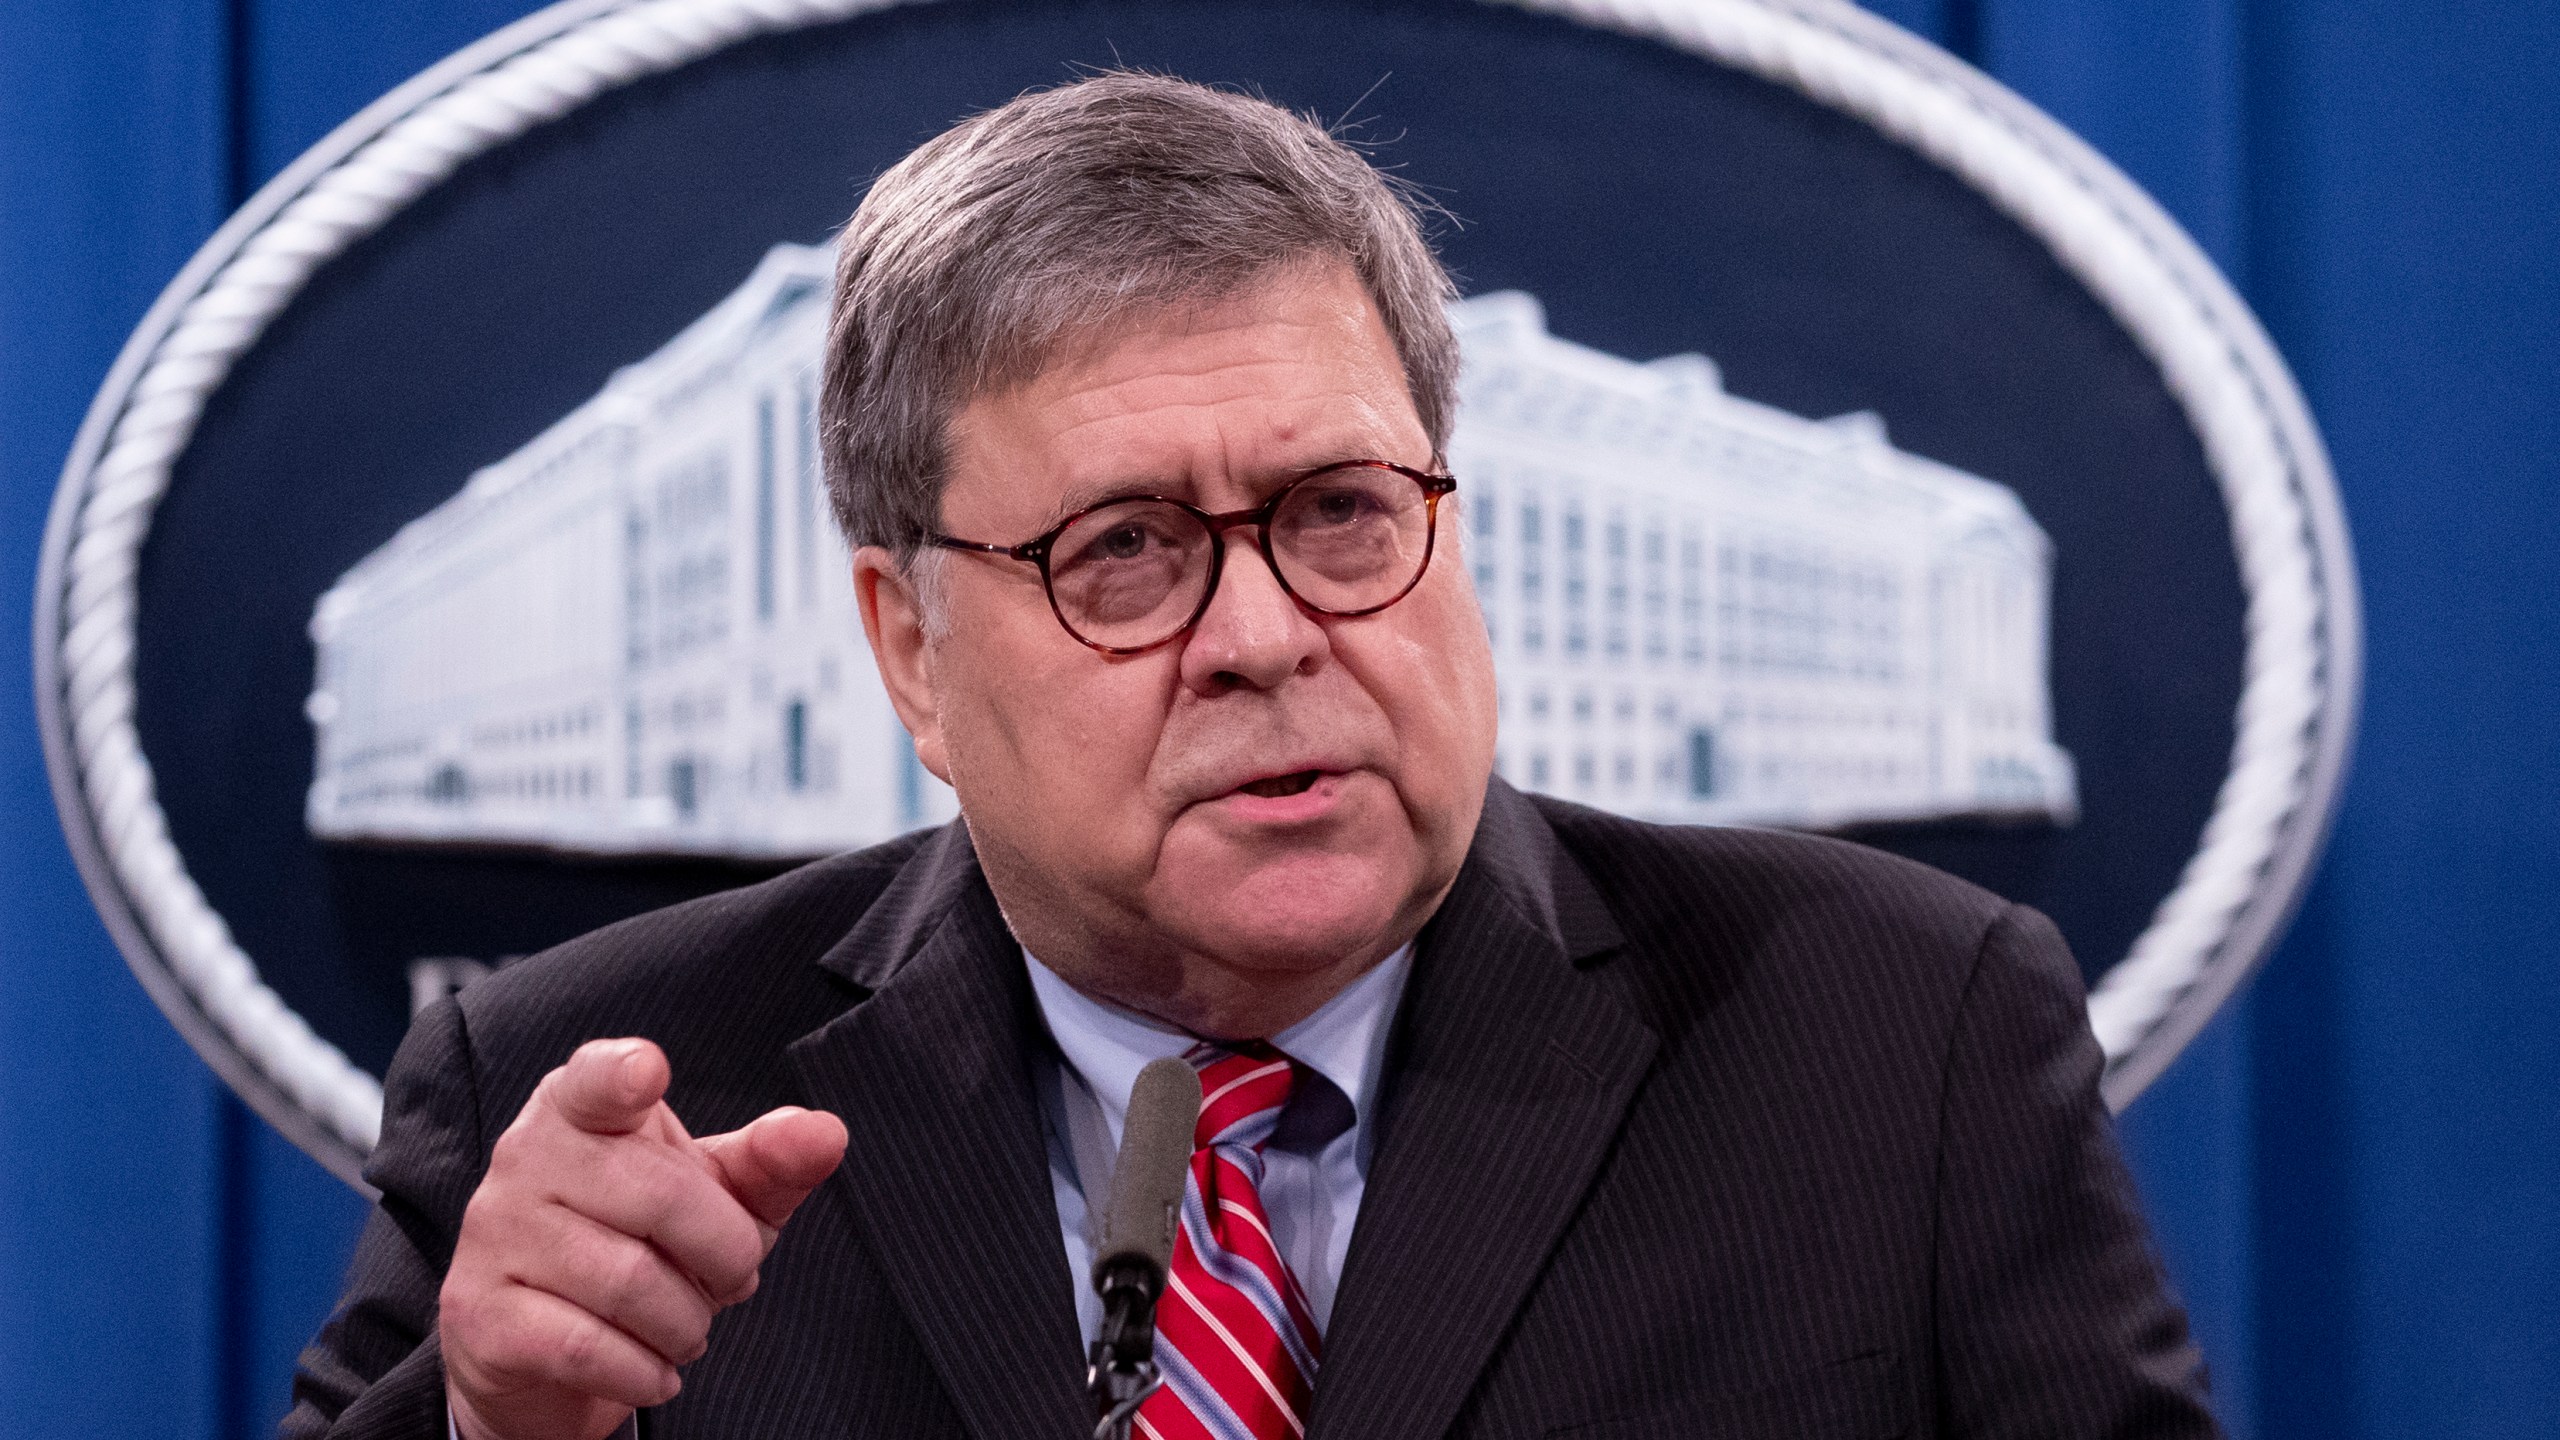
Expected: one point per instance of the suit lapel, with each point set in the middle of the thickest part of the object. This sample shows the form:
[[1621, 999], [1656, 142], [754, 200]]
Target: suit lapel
[[1509, 1074], [944, 1178]]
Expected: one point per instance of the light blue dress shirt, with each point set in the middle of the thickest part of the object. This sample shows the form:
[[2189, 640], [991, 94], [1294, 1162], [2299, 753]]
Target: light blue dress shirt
[[1315, 1166]]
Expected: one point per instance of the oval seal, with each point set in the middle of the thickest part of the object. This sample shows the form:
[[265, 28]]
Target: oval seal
[[439, 574]]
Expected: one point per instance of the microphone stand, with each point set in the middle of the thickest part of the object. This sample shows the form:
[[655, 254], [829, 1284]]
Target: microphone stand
[[1122, 1372]]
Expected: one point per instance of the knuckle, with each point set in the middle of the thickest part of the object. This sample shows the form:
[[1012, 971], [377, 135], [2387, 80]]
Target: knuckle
[[513, 1346], [580, 1345], [733, 1263], [659, 1194], [461, 1316], [747, 1239], [516, 1146], [509, 1344], [627, 1272], [681, 1205], [689, 1335], [492, 1226]]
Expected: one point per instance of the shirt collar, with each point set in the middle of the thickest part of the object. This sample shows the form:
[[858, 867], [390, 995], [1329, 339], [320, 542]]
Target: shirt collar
[[1345, 1040]]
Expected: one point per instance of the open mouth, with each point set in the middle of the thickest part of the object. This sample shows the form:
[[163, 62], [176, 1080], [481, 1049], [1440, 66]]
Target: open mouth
[[1279, 785]]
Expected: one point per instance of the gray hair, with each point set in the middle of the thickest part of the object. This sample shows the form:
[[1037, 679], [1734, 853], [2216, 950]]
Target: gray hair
[[1042, 222]]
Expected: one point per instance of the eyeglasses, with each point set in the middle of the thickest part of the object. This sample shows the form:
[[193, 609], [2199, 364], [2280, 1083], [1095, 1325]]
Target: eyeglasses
[[1131, 573]]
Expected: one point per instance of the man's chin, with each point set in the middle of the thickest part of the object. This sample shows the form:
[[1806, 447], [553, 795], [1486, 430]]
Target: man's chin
[[1292, 913]]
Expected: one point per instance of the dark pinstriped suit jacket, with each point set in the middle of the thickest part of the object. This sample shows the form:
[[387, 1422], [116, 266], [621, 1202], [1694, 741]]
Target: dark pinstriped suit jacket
[[1686, 1132]]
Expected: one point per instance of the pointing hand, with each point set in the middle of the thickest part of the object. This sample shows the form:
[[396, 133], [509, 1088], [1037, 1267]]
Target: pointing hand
[[603, 1240]]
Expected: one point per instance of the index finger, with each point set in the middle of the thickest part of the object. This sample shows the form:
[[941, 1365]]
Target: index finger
[[609, 1086]]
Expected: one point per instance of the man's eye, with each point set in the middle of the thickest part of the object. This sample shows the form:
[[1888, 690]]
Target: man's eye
[[1123, 539], [1344, 507]]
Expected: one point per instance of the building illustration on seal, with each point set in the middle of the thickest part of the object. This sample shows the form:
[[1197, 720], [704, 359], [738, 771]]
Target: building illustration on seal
[[636, 634], [1708, 609]]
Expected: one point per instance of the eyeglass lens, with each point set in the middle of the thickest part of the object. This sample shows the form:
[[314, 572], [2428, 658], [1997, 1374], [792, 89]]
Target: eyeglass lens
[[1128, 575]]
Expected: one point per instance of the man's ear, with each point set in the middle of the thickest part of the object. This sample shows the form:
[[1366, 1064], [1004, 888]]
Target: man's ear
[[893, 619]]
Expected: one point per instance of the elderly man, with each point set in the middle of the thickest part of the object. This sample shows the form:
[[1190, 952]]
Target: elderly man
[[1521, 1119]]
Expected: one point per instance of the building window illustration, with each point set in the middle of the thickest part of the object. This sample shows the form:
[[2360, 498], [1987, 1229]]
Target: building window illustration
[[1533, 575], [1614, 565], [808, 498], [1657, 595], [767, 506], [1577, 585], [795, 745], [1702, 763]]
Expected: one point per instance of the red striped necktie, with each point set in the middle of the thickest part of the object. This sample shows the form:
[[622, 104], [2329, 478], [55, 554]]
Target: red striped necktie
[[1234, 1338]]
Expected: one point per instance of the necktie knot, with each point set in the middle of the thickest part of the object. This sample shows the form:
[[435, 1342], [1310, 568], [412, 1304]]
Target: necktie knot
[[1243, 1089]]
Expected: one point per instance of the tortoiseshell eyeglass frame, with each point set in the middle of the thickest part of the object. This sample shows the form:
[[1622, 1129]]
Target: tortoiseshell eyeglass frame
[[1036, 550]]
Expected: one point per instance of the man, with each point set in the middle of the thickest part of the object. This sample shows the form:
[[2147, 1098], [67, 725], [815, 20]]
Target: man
[[1520, 1119]]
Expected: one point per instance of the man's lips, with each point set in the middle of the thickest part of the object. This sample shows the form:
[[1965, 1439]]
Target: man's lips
[[1300, 793], [1272, 787]]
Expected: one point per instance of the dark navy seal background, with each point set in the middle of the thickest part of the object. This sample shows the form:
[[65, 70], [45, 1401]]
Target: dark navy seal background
[[2352, 1172], [1655, 202]]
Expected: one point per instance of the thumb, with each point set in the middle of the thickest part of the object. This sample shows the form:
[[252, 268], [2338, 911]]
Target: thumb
[[773, 1162], [609, 1086]]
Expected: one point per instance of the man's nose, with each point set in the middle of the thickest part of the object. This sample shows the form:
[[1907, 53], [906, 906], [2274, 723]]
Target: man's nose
[[1252, 635]]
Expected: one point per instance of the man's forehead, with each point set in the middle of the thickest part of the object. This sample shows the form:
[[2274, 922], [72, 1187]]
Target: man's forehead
[[1077, 477], [1250, 388], [1317, 316]]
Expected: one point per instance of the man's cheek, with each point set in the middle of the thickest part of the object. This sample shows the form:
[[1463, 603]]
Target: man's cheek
[[1086, 757]]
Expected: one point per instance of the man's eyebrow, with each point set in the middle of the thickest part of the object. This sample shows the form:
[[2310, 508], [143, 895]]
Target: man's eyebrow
[[1086, 495], [1076, 499]]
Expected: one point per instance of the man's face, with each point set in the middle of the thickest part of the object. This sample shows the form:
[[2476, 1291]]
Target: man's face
[[1273, 793]]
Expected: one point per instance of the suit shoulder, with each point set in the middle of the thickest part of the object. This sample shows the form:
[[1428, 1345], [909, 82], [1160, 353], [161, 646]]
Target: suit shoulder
[[1817, 965], [698, 975], [1658, 878]]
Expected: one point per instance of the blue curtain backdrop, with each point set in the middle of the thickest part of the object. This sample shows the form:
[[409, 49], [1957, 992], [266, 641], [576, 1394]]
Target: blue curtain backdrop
[[2355, 1173]]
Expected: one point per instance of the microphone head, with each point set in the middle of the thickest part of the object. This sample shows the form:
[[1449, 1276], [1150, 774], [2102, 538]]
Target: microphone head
[[1146, 1184]]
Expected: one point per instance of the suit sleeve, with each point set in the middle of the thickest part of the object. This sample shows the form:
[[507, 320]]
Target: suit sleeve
[[374, 1370], [2054, 1317]]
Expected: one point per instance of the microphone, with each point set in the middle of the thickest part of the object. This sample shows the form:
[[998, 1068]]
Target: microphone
[[1136, 1248]]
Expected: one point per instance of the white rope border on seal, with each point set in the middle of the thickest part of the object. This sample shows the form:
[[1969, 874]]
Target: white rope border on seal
[[2302, 662], [583, 51], [2301, 653]]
